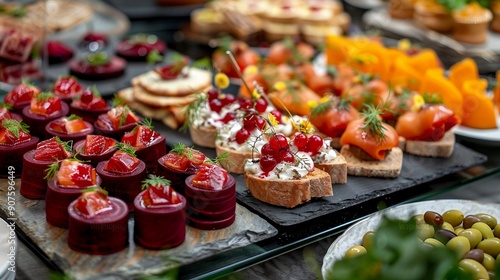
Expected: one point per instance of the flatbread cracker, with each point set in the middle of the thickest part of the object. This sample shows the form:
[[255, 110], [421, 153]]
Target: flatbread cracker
[[195, 81], [157, 101]]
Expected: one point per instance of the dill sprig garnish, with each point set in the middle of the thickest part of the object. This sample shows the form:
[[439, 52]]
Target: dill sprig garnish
[[15, 127], [290, 44], [182, 150], [6, 106], [372, 122], [125, 147], [192, 110], [94, 189], [154, 181], [95, 91], [51, 171], [123, 116], [147, 122], [67, 145], [118, 101], [222, 158], [73, 117], [44, 96]]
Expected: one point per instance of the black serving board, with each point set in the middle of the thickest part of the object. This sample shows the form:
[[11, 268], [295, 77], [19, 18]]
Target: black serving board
[[416, 170]]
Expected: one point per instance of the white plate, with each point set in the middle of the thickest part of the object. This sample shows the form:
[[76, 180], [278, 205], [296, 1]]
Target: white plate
[[490, 136], [5, 247], [354, 234]]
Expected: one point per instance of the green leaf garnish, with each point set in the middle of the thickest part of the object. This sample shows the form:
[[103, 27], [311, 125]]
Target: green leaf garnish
[[67, 145], [204, 63], [147, 122], [192, 110], [6, 106], [154, 181], [118, 101], [95, 91], [143, 38], [124, 115], [219, 159], [97, 59], [432, 98], [15, 126], [94, 189], [154, 57], [44, 96], [51, 171], [179, 148], [373, 122], [73, 117], [125, 147]]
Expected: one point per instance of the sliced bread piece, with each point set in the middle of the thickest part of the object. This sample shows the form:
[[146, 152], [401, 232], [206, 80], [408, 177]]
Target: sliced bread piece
[[290, 193], [390, 167], [203, 136], [336, 168], [235, 162], [441, 148]]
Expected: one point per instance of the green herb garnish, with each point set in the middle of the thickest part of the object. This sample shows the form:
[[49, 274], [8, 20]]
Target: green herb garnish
[[192, 110], [154, 181], [154, 57], [15, 127], [51, 171], [373, 123], [125, 147], [97, 59], [432, 98], [44, 96]]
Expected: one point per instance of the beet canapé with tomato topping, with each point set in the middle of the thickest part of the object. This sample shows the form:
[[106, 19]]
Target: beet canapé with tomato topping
[[149, 145], [67, 88], [122, 174], [211, 198], [35, 165], [102, 219], [43, 108], [95, 148], [66, 181], [138, 47], [20, 96], [97, 66], [115, 122], [160, 215], [178, 164], [69, 128], [89, 105], [15, 141]]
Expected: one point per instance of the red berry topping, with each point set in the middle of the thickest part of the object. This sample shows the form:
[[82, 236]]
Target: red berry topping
[[260, 105], [314, 144], [213, 93], [267, 163], [215, 105], [228, 117], [228, 99], [300, 141], [267, 150], [97, 144], [242, 136], [245, 103], [122, 162], [74, 174], [278, 142], [277, 115], [210, 176], [92, 202], [253, 121], [52, 149], [286, 156]]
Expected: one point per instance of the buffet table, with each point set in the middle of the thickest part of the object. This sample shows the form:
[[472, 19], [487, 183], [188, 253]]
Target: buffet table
[[266, 242]]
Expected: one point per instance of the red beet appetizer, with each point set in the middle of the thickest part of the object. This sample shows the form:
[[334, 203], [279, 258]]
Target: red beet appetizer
[[137, 47], [67, 88], [89, 105], [20, 96], [217, 188], [69, 128], [43, 108], [6, 114], [116, 122], [149, 145], [98, 66], [66, 179], [35, 165], [122, 174], [99, 39], [58, 52], [98, 224], [95, 148], [178, 164], [160, 215], [15, 140]]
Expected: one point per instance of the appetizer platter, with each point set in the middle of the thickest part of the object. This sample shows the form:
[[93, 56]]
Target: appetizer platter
[[354, 234]]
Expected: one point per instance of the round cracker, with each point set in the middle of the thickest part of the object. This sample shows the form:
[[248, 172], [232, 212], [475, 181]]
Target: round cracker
[[195, 81], [158, 101]]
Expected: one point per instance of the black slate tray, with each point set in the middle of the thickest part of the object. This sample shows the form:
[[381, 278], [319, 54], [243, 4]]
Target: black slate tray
[[415, 171]]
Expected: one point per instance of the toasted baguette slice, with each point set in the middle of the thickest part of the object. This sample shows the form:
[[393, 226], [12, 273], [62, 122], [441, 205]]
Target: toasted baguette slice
[[236, 160], [292, 192], [203, 136], [336, 168], [390, 167], [441, 148]]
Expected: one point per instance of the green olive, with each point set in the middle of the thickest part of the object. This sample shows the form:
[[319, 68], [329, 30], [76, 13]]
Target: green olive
[[473, 267], [496, 231], [433, 218], [425, 231], [368, 240], [487, 219], [458, 230], [475, 254], [484, 229], [460, 245], [454, 217], [419, 219], [469, 220], [497, 260], [474, 236], [447, 226], [490, 246], [434, 242], [354, 251], [489, 262]]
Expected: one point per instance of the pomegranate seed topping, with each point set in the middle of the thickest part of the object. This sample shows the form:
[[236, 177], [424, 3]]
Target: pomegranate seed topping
[[278, 142], [228, 117], [215, 105], [267, 163], [213, 93], [314, 144], [87, 96], [229, 99], [266, 150], [300, 141], [260, 105], [277, 115], [242, 135]]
